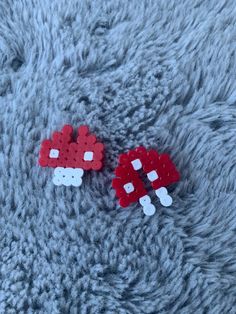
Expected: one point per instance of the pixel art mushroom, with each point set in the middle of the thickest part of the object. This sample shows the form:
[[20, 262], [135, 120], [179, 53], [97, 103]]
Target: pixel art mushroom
[[129, 185], [70, 158]]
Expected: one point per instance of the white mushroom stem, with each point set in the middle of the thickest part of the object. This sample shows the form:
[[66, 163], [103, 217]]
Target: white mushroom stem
[[68, 176], [148, 208], [164, 197]]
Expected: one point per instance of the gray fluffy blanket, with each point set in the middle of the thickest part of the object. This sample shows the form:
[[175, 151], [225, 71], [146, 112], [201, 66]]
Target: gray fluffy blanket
[[156, 73]]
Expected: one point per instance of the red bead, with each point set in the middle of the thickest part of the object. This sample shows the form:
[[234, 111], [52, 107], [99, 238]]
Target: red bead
[[62, 151], [83, 130]]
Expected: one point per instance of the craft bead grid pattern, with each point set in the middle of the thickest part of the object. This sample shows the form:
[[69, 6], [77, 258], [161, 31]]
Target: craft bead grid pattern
[[70, 158], [129, 186], [160, 74]]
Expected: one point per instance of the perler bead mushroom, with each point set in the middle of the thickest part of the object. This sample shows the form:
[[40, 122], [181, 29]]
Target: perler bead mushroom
[[129, 185], [70, 158]]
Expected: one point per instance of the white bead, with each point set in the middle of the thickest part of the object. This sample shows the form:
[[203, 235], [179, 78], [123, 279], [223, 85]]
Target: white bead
[[129, 188], [165, 198], [137, 165], [152, 176], [54, 153], [68, 176], [145, 200], [148, 208], [88, 156]]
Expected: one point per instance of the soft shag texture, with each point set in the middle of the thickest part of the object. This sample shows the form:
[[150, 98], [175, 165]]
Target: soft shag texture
[[154, 73]]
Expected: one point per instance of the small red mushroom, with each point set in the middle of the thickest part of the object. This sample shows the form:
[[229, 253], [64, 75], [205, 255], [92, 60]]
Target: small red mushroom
[[70, 158], [129, 186]]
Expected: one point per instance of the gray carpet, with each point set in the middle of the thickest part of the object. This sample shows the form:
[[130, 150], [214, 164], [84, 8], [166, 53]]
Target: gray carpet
[[156, 73]]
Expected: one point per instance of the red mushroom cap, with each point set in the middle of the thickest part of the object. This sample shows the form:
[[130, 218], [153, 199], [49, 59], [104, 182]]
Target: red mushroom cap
[[62, 151]]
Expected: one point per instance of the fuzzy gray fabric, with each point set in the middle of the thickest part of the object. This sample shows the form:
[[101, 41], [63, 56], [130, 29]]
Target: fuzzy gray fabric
[[154, 73]]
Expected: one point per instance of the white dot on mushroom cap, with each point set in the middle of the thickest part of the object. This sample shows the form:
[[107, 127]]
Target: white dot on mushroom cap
[[88, 156], [152, 175], [54, 153], [137, 165], [129, 188], [145, 200]]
